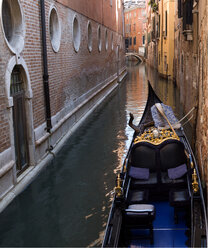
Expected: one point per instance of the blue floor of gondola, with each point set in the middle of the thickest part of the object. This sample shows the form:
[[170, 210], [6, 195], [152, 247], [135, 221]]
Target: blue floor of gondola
[[166, 232]]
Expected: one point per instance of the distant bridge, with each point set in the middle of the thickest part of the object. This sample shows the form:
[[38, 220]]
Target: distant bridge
[[136, 55]]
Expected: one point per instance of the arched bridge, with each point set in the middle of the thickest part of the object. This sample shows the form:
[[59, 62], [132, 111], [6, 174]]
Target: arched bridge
[[136, 55]]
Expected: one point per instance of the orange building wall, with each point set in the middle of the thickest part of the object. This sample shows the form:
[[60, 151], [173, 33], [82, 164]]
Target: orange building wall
[[136, 21]]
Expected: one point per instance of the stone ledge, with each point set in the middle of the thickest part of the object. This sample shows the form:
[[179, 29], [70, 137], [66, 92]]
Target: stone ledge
[[6, 168]]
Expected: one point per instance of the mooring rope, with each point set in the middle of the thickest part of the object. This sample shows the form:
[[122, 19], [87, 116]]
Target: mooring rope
[[187, 115], [187, 120]]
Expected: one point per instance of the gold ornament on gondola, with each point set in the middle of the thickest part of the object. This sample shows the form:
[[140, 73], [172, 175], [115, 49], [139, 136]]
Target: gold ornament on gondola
[[195, 184], [118, 189], [155, 136]]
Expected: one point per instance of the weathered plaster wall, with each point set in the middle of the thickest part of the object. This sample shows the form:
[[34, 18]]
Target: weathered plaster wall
[[202, 118], [191, 75]]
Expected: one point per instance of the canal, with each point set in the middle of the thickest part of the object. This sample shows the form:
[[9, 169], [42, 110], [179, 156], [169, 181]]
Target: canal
[[69, 202]]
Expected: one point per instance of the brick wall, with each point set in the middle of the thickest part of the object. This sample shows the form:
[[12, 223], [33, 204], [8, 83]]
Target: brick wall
[[73, 76], [32, 55], [99, 11]]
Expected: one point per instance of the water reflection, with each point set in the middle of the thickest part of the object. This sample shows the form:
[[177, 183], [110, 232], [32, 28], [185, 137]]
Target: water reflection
[[69, 202]]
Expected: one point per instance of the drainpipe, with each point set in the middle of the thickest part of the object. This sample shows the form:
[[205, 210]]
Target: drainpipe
[[45, 69]]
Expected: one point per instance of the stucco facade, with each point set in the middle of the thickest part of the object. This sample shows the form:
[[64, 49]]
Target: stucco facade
[[166, 38], [135, 22]]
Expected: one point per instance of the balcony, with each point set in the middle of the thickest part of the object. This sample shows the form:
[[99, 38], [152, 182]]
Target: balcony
[[189, 34]]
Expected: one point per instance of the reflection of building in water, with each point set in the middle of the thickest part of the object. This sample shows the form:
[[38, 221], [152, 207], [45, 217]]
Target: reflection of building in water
[[55, 70]]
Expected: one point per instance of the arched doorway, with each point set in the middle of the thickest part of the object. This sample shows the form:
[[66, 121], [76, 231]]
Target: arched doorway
[[17, 92]]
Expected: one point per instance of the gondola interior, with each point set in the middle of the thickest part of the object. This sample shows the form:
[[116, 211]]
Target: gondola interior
[[158, 203], [158, 196]]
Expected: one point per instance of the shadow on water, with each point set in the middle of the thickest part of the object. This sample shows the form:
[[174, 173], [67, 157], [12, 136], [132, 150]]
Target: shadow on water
[[69, 202]]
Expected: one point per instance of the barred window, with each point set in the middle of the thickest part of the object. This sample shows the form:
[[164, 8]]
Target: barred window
[[16, 81]]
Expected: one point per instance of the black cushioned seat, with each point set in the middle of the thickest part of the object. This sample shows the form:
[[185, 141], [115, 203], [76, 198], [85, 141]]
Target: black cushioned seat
[[137, 183], [166, 180], [158, 159], [137, 196], [138, 211], [143, 156], [179, 199], [140, 216], [172, 155]]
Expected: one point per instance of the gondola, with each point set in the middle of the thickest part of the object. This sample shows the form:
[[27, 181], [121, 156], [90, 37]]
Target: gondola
[[158, 198]]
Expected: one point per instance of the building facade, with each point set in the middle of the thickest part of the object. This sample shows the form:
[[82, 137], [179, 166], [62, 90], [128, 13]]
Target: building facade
[[166, 38], [151, 41], [135, 19], [59, 60], [160, 36]]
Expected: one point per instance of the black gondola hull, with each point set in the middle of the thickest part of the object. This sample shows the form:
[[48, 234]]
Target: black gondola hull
[[137, 211]]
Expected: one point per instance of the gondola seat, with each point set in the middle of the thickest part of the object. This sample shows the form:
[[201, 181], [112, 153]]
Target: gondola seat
[[138, 183], [143, 156], [178, 182], [161, 161], [180, 200], [140, 216], [137, 196], [139, 212], [173, 164]]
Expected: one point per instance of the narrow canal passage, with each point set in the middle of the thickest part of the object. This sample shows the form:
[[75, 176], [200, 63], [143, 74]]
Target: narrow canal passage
[[69, 202]]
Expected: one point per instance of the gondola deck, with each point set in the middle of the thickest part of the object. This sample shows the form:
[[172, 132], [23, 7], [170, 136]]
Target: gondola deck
[[158, 197]]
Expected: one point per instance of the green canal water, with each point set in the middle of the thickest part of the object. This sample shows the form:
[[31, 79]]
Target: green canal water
[[69, 202]]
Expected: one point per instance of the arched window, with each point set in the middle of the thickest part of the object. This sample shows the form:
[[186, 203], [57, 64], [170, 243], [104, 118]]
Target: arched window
[[89, 31], [106, 39], [76, 34], [99, 39], [112, 45]]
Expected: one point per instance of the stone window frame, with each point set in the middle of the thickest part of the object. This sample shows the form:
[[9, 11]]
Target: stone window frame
[[121, 41], [112, 41], [89, 39], [55, 43], [18, 40], [106, 39], [78, 34], [99, 36]]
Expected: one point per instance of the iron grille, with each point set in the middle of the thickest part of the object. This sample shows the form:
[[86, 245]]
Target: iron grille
[[16, 82]]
